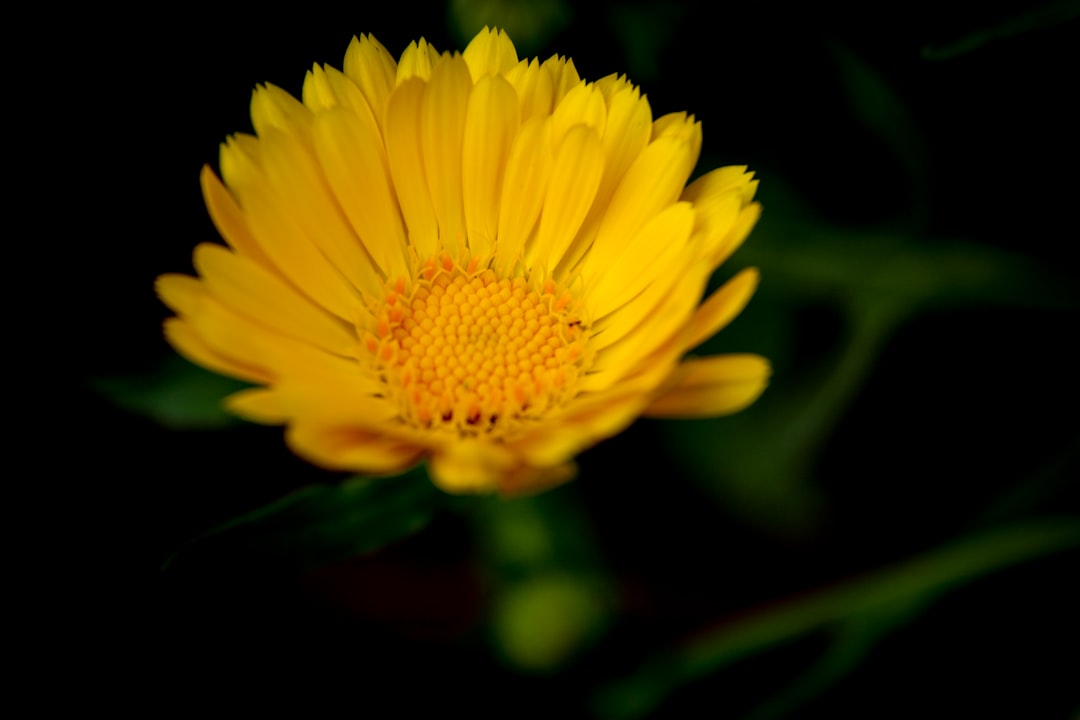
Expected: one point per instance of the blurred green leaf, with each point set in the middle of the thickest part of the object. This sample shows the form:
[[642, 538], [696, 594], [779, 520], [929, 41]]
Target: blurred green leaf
[[911, 583], [538, 532], [530, 23], [852, 642], [645, 30], [881, 109], [552, 597], [809, 260], [1049, 15], [1041, 489], [314, 526], [542, 621], [178, 395], [758, 463]]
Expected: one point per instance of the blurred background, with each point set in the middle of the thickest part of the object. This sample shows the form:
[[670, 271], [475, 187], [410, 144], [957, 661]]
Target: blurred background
[[892, 530]]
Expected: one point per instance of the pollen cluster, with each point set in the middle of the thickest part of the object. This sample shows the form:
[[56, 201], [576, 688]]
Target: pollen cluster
[[474, 353]]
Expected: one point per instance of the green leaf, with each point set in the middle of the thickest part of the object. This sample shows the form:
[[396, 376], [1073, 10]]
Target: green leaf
[[759, 463], [811, 260], [552, 598], [313, 526], [901, 589], [852, 642], [645, 31], [882, 110], [177, 395], [539, 623], [531, 24], [1044, 16]]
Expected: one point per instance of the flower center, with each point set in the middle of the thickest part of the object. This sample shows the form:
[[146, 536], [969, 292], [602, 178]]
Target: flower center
[[468, 351]]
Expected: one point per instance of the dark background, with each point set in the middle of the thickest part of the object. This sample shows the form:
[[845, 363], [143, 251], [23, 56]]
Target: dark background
[[886, 147]]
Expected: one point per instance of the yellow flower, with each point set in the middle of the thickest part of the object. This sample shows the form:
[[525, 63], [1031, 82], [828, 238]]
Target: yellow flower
[[485, 262]]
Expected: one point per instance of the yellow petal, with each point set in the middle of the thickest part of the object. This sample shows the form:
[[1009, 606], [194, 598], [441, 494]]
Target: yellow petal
[[416, 61], [352, 156], [442, 129], [682, 126], [650, 254], [470, 466], [626, 133], [317, 95], [564, 76], [652, 183], [258, 405], [326, 88], [252, 291], [339, 399], [735, 237], [583, 105], [251, 344], [274, 109], [534, 88], [721, 198], [180, 293], [188, 343], [229, 220], [491, 123], [721, 181], [304, 196], [215, 335], [611, 84], [657, 316], [239, 161], [716, 217], [351, 449], [407, 166], [490, 53], [279, 234], [712, 386], [578, 426], [372, 68], [722, 307], [575, 177], [524, 186]]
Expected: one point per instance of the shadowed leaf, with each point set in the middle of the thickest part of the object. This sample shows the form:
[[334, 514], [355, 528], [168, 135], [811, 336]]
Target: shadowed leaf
[[1049, 15], [912, 582], [178, 395], [314, 526], [530, 23]]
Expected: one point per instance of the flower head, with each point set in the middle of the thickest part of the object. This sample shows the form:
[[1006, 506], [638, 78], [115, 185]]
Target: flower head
[[489, 263]]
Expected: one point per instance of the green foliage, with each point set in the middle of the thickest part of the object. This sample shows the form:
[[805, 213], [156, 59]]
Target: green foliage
[[530, 23], [645, 30], [540, 622], [1046, 15], [313, 526], [177, 395], [759, 463], [862, 610], [552, 598]]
